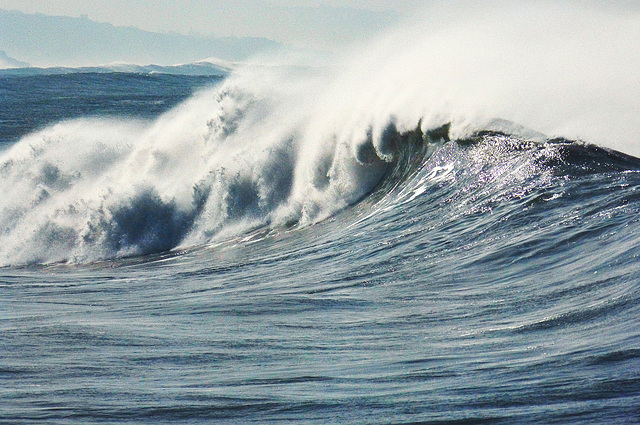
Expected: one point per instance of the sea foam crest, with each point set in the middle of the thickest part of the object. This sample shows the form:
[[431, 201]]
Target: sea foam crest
[[228, 160]]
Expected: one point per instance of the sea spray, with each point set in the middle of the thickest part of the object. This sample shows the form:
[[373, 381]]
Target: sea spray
[[220, 164]]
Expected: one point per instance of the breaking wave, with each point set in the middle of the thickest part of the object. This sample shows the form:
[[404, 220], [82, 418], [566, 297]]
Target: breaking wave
[[271, 148]]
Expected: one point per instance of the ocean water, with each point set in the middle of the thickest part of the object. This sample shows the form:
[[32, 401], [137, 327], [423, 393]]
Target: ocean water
[[290, 245], [31, 102]]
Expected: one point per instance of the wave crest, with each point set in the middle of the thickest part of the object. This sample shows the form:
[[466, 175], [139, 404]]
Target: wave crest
[[221, 164]]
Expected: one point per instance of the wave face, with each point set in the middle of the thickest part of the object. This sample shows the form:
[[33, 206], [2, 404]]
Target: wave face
[[412, 235]]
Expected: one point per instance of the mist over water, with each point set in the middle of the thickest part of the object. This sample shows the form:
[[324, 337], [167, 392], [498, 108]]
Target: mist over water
[[564, 69]]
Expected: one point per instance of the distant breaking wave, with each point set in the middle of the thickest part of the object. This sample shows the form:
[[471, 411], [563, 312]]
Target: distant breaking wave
[[274, 148], [204, 67]]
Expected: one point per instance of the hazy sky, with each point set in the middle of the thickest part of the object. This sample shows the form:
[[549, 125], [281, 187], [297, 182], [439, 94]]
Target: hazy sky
[[300, 23]]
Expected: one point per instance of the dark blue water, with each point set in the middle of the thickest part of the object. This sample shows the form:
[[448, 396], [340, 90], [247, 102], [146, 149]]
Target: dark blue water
[[31, 102], [485, 280]]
